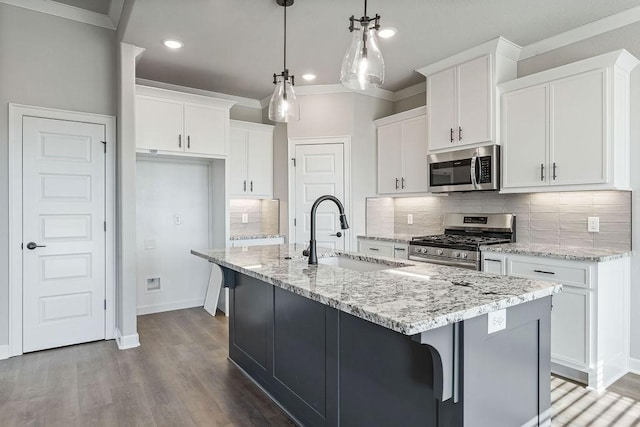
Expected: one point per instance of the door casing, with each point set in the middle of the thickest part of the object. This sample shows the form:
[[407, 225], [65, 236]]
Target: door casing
[[346, 142], [16, 114]]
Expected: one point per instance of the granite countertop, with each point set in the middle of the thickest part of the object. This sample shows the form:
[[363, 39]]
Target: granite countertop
[[395, 238], [554, 251], [410, 298], [256, 236]]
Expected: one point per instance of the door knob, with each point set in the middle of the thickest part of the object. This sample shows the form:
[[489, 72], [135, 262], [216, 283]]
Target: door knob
[[32, 245], [338, 234]]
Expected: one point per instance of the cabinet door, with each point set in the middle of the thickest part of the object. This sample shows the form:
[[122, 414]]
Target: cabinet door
[[389, 146], [159, 124], [260, 163], [474, 102], [400, 251], [414, 156], [524, 138], [237, 162], [578, 129], [205, 130], [570, 326], [493, 266], [441, 108]]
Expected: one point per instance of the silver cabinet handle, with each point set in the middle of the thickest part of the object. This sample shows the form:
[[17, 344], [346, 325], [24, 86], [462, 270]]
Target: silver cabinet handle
[[459, 133], [252, 186], [474, 160], [245, 185], [397, 180], [554, 171], [179, 141], [188, 141], [374, 249], [451, 134], [338, 234], [403, 180], [400, 249], [493, 260], [541, 171], [543, 272]]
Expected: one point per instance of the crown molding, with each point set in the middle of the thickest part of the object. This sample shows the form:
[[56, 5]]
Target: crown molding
[[604, 25], [239, 100], [73, 13]]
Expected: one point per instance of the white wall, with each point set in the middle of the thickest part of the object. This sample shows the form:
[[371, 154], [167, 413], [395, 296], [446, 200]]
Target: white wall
[[51, 62], [167, 188]]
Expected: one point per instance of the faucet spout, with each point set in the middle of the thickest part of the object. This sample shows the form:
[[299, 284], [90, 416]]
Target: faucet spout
[[313, 255]]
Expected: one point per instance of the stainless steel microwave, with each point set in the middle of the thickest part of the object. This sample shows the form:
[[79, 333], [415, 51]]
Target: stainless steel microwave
[[473, 169]]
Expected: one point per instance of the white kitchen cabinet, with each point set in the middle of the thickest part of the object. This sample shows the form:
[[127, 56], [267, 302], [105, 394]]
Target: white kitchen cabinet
[[589, 318], [402, 153], [568, 128], [462, 96], [494, 264], [383, 248], [176, 123], [251, 160]]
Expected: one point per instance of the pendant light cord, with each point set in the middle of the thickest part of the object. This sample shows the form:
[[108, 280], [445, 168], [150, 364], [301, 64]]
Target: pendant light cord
[[365, 8], [285, 34]]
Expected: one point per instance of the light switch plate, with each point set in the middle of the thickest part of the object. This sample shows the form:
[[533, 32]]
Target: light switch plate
[[245, 218], [410, 219], [593, 224], [497, 321]]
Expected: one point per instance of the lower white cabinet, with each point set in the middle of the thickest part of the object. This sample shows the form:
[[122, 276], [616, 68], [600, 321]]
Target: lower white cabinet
[[383, 248], [590, 316]]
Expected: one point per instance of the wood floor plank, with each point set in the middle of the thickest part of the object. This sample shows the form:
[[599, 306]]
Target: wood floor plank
[[181, 376]]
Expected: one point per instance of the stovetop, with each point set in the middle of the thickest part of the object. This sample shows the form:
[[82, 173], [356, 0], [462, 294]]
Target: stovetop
[[458, 241]]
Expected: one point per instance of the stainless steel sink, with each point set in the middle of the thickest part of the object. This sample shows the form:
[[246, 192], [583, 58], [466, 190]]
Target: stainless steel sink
[[358, 264]]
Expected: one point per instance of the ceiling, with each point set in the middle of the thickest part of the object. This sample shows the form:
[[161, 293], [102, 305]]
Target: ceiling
[[98, 6], [234, 46]]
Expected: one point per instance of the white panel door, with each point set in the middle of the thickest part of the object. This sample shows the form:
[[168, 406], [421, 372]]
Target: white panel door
[[524, 138], [474, 102], [64, 213], [204, 129], [260, 163], [441, 108], [159, 124], [414, 156], [389, 167], [237, 162], [319, 171], [577, 129], [570, 325]]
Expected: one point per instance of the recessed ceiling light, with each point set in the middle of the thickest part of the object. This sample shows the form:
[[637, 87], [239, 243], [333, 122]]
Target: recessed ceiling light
[[309, 76], [387, 32], [173, 44]]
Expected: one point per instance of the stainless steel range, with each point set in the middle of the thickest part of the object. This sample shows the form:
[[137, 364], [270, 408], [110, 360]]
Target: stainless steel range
[[459, 246]]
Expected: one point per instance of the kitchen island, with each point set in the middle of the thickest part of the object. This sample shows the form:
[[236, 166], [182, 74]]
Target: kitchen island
[[404, 343]]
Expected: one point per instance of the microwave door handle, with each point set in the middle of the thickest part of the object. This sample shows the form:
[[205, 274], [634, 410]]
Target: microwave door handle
[[474, 160]]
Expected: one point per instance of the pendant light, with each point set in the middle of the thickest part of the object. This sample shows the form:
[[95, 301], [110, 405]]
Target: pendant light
[[283, 106], [363, 66]]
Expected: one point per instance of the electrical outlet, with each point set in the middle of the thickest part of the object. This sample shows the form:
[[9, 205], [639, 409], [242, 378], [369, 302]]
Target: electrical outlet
[[410, 219], [497, 321], [177, 219], [593, 224], [245, 218]]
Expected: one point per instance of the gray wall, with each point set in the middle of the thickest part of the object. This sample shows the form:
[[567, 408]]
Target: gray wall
[[50, 62], [247, 114], [410, 103]]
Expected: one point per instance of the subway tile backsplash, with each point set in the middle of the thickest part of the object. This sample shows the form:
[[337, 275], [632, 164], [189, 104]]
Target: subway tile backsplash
[[262, 216], [550, 218]]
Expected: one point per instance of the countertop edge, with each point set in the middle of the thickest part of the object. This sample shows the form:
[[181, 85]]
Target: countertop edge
[[542, 253]]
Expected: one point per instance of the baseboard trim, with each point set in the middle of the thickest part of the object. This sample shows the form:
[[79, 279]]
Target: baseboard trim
[[178, 305], [634, 366], [4, 352], [127, 341]]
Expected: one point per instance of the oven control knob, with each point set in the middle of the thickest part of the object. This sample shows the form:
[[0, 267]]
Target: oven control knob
[[464, 255], [424, 250], [456, 254], [439, 251]]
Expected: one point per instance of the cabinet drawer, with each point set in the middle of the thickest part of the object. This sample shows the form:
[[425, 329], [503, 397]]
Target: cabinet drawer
[[375, 248], [571, 275]]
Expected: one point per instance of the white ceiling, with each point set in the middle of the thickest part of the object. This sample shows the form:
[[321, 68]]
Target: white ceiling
[[234, 46], [99, 6]]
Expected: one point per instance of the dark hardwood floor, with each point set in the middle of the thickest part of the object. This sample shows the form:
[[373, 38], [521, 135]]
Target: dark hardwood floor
[[180, 376]]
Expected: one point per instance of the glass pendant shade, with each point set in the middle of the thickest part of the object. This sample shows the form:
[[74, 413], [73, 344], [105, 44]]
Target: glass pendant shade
[[363, 65], [283, 106]]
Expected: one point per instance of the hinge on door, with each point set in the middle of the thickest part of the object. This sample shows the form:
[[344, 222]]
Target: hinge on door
[[105, 226], [105, 304], [294, 161], [105, 146]]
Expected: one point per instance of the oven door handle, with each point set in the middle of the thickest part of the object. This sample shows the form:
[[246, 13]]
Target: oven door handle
[[474, 160], [469, 265]]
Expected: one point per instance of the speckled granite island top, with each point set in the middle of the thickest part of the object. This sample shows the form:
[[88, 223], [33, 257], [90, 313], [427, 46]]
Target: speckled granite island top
[[553, 251], [411, 298], [256, 236]]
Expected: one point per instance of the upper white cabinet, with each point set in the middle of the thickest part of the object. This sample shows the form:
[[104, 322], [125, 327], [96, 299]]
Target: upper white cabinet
[[251, 160], [568, 128], [402, 153], [170, 122], [462, 97]]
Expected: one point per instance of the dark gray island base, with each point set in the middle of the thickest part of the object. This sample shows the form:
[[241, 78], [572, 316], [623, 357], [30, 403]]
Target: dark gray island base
[[326, 367]]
